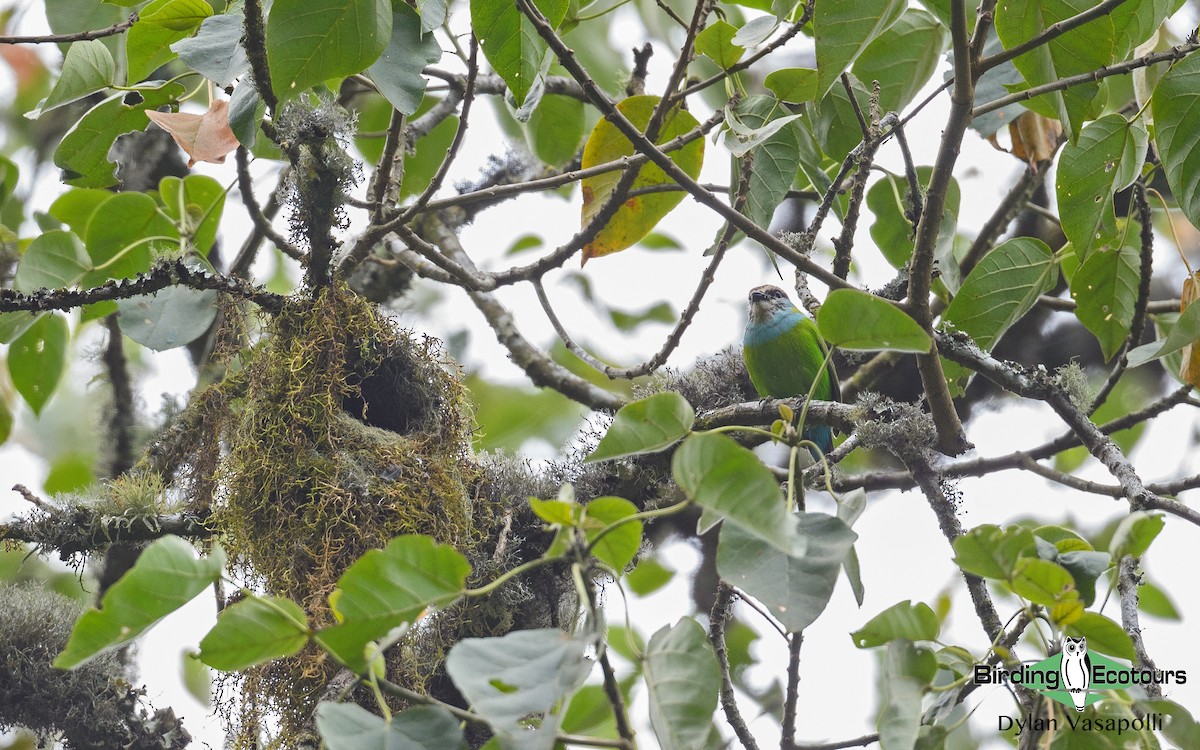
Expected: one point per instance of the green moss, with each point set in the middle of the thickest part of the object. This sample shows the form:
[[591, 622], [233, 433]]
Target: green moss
[[338, 432]]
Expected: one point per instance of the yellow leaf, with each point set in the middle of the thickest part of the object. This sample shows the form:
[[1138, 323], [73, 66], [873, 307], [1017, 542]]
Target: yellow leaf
[[1190, 372], [639, 214]]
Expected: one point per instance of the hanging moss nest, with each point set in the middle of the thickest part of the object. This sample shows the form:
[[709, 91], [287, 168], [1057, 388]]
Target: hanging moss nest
[[338, 432]]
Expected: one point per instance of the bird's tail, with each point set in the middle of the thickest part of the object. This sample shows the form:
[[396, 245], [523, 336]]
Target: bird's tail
[[822, 435]]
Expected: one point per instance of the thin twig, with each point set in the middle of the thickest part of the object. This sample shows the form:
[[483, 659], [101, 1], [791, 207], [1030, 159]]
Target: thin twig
[[718, 618], [121, 421], [1052, 31], [1138, 320], [1128, 580], [255, 43], [567, 58], [685, 319], [792, 693], [951, 438], [78, 36], [382, 179], [261, 222], [456, 144], [1177, 52], [164, 274]]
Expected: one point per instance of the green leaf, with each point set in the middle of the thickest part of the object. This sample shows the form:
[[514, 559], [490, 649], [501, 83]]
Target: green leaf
[[166, 576], [1043, 582], [70, 472], [13, 324], [905, 620], [311, 41], [388, 587], [83, 152], [54, 260], [216, 51], [1156, 602], [843, 31], [171, 317], [1103, 635], [903, 58], [508, 415], [730, 481], [9, 176], [1107, 157], [774, 162], [892, 229], [1002, 288], [560, 512], [1181, 728], [589, 713], [907, 671], [1185, 332], [526, 672], [1105, 289], [860, 321], [555, 129], [1135, 533], [397, 72], [743, 137], [511, 43], [1134, 23], [73, 16], [990, 552], [715, 42], [196, 678], [433, 13], [124, 243], [87, 67], [793, 85], [38, 358], [795, 585], [253, 631], [160, 24], [1080, 50], [996, 84], [348, 726], [1175, 105], [616, 548], [649, 576], [657, 313], [646, 426], [6, 421], [196, 202], [998, 292], [1085, 567], [76, 207], [638, 215], [682, 679]]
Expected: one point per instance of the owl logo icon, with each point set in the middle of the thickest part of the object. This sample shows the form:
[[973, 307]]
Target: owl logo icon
[[1076, 670]]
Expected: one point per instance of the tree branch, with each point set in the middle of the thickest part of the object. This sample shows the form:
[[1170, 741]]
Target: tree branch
[[78, 36], [1174, 54], [166, 273], [951, 438]]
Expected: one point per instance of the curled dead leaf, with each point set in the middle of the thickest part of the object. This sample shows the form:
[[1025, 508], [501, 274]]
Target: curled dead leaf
[[205, 137]]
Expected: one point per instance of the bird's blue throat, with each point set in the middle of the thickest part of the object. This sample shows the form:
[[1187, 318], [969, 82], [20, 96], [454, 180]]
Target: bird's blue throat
[[780, 322]]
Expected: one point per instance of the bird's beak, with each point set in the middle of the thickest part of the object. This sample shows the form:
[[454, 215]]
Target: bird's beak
[[757, 296]]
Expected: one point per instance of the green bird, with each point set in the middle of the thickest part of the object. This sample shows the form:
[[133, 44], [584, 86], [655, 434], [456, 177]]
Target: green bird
[[784, 354]]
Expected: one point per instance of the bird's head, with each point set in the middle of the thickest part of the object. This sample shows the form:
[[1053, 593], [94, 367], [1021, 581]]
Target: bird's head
[[766, 301]]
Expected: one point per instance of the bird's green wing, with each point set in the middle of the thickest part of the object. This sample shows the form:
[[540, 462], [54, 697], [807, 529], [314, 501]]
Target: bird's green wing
[[787, 364]]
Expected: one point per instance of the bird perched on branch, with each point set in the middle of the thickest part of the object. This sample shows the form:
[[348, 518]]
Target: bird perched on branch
[[784, 354]]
